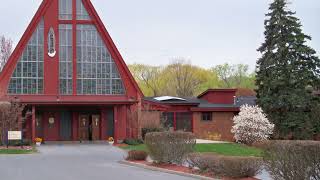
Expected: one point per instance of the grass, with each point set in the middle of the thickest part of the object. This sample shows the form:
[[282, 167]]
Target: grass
[[17, 151], [228, 149], [141, 147]]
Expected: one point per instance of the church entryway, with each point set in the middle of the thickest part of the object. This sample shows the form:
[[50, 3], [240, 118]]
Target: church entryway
[[89, 127]]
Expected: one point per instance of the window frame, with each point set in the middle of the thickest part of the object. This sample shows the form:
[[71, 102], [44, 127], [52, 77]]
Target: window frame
[[207, 116]]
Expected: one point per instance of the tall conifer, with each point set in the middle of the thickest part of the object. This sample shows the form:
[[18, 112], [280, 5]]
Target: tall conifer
[[287, 73]]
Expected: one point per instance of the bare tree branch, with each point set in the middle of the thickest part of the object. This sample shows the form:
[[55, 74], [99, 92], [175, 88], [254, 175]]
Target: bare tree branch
[[5, 51]]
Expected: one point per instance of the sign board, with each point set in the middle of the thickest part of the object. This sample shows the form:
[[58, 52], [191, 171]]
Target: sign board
[[14, 135]]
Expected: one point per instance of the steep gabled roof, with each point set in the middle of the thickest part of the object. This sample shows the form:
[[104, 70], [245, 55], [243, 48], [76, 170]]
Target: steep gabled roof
[[9, 67], [111, 45]]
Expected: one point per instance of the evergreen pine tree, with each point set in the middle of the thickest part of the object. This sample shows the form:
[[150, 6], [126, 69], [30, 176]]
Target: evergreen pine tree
[[287, 73]]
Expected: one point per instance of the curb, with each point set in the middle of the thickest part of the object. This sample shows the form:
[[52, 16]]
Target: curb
[[165, 170]]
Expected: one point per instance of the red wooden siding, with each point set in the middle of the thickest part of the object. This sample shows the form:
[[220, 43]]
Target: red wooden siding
[[219, 96]]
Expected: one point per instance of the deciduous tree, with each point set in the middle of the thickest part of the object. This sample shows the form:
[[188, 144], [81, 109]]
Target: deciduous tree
[[251, 125], [9, 114], [234, 76], [148, 77], [5, 51], [184, 78], [181, 78]]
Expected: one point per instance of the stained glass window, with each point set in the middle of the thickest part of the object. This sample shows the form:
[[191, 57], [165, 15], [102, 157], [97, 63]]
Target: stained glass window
[[65, 58], [65, 9], [82, 13], [97, 72], [27, 78]]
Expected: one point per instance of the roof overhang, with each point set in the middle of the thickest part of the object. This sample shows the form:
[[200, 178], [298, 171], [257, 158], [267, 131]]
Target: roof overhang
[[216, 109], [71, 100]]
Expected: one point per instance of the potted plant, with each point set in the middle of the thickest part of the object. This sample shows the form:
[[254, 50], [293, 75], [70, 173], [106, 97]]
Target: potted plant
[[111, 140], [38, 141]]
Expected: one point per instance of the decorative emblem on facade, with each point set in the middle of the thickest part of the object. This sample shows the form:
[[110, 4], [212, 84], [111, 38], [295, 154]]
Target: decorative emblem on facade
[[51, 120], [97, 121], [51, 43]]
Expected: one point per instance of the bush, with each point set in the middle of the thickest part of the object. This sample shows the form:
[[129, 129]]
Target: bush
[[251, 125], [205, 162], [144, 131], [17, 143], [169, 147], [134, 142], [137, 155], [294, 160], [226, 166]]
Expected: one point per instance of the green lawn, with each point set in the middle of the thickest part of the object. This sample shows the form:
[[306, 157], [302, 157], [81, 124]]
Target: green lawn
[[141, 147], [229, 149], [17, 151]]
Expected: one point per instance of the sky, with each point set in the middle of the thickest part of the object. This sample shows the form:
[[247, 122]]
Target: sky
[[156, 32]]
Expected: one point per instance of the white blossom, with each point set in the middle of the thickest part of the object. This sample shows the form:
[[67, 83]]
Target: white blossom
[[251, 125]]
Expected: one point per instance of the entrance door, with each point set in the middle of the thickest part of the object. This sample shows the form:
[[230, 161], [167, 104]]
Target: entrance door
[[83, 127], [52, 126], [65, 126], [110, 123], [95, 127], [39, 126]]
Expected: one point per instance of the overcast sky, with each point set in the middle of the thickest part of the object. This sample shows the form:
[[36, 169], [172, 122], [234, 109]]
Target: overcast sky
[[207, 32]]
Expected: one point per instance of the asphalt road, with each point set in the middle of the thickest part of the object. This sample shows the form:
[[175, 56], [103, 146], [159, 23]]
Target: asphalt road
[[75, 162]]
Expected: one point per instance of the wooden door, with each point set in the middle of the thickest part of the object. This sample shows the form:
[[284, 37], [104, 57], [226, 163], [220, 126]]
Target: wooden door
[[52, 127], [39, 126], [95, 127], [110, 122], [65, 125], [84, 127]]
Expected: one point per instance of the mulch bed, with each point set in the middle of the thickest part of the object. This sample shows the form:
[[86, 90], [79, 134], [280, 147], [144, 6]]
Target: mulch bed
[[121, 145], [183, 169], [16, 147]]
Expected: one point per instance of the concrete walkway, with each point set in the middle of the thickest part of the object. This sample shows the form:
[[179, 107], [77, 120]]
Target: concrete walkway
[[75, 162]]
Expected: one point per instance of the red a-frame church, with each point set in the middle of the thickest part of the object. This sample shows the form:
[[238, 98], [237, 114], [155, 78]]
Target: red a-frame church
[[67, 69], [69, 73]]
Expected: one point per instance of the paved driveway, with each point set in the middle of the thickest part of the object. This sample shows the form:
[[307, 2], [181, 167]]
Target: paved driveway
[[75, 162]]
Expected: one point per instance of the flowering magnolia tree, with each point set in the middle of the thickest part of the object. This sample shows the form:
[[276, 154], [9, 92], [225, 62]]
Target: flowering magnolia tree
[[251, 125]]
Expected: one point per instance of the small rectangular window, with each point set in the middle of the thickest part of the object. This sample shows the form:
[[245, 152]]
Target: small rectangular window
[[206, 116]]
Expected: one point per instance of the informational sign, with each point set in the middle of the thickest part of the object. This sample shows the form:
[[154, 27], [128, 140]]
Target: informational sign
[[14, 135]]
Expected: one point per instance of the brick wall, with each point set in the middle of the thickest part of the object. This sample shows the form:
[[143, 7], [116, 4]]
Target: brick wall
[[217, 129]]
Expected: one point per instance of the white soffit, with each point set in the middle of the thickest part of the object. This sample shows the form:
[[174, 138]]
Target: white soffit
[[167, 98]]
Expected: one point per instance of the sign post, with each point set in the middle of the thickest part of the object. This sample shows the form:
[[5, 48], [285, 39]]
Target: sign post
[[14, 135]]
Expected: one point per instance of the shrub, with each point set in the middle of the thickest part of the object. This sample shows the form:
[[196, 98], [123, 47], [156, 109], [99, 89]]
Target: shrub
[[144, 131], [18, 143], [131, 141], [169, 147], [226, 166], [293, 160], [238, 167], [251, 125], [203, 161], [137, 155]]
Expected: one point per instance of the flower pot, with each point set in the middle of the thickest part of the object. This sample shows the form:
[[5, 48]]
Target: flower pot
[[111, 142], [38, 143]]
